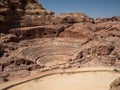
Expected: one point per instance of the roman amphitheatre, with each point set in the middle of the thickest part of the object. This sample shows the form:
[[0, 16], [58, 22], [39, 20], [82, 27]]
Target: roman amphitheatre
[[40, 50]]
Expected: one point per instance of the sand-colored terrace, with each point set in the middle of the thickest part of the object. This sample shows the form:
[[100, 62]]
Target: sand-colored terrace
[[80, 79]]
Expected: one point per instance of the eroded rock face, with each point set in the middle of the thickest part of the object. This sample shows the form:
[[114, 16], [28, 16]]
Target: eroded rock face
[[35, 15], [46, 31], [1, 49], [74, 18], [78, 30], [115, 18], [22, 13], [115, 85], [11, 12]]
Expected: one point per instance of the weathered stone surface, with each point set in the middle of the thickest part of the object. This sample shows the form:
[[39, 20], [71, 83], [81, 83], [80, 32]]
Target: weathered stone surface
[[10, 11], [46, 31], [35, 15], [115, 85], [75, 18], [1, 49], [53, 52], [22, 13], [115, 18], [79, 30], [9, 38]]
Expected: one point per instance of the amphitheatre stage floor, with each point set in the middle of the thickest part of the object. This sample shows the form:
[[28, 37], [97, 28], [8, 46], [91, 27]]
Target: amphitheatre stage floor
[[93, 80]]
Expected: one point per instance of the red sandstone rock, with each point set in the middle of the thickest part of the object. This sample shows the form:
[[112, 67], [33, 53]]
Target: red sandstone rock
[[47, 31], [79, 30], [115, 85], [1, 49], [75, 17], [22, 13]]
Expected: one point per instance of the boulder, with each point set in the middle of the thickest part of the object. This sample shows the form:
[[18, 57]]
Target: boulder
[[78, 30], [115, 85], [10, 38]]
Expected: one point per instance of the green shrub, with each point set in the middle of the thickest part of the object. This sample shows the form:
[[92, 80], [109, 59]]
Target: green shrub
[[5, 79], [116, 70]]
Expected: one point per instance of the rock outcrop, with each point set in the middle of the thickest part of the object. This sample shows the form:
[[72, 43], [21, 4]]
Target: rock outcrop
[[22, 13], [35, 15], [115, 18], [46, 31], [115, 85], [11, 12], [74, 18], [1, 49]]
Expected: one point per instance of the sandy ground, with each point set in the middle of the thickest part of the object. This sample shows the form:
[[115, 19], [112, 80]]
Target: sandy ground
[[78, 81], [84, 74]]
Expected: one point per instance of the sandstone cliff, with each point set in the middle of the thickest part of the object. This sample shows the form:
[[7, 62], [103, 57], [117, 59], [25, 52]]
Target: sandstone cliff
[[22, 13]]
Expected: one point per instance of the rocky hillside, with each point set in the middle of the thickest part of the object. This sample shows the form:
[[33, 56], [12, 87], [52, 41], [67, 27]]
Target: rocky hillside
[[22, 13], [32, 37]]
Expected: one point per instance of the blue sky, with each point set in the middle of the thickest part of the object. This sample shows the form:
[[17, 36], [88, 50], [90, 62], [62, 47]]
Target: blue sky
[[93, 8]]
